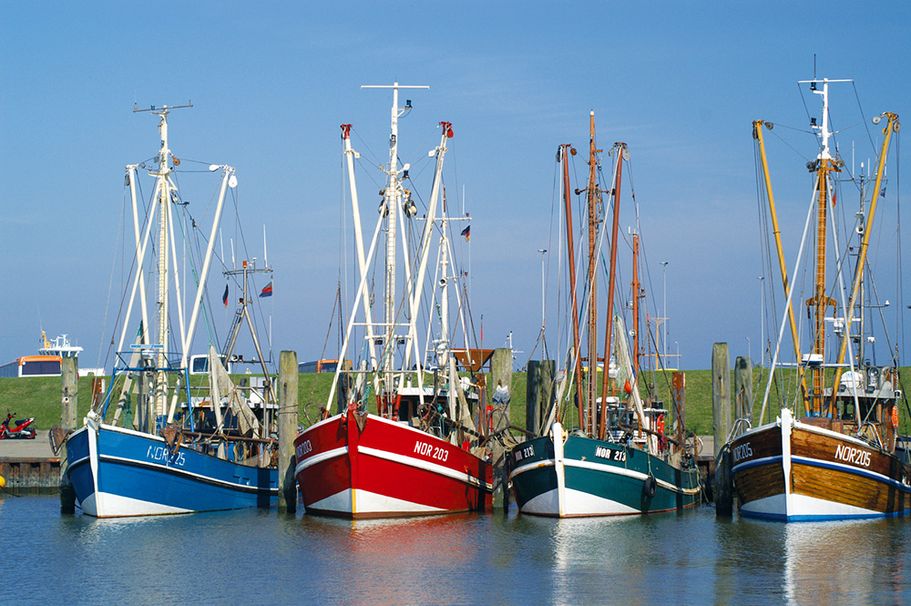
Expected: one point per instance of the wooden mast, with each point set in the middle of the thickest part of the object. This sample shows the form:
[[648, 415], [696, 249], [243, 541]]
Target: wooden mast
[[820, 300], [636, 291], [594, 199], [566, 149], [620, 150]]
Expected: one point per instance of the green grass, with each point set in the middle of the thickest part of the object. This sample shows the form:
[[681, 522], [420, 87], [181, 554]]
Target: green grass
[[40, 397]]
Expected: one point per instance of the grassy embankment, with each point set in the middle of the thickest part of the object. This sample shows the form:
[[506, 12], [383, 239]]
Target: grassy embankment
[[40, 397]]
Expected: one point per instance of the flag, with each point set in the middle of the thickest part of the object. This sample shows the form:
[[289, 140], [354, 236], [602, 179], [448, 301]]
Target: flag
[[266, 291], [467, 233], [224, 297]]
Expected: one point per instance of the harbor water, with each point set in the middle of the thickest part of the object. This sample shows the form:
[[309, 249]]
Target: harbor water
[[257, 557]]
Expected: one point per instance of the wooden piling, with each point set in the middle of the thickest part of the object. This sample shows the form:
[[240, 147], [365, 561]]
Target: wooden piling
[[532, 396], [723, 492], [538, 392], [743, 388], [70, 393], [721, 395], [287, 431], [69, 399], [678, 384], [501, 374]]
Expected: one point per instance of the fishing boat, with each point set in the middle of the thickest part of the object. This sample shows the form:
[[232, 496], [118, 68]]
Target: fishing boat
[[831, 452], [618, 460], [155, 448], [419, 453]]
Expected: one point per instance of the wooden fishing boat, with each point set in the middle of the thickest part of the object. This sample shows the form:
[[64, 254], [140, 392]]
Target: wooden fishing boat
[[836, 458], [420, 453], [162, 450], [619, 460]]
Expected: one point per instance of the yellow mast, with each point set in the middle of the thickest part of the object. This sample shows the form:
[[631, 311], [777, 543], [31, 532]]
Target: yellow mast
[[795, 336], [892, 125]]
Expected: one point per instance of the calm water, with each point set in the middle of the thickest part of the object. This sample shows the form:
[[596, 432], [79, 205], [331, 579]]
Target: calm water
[[257, 557]]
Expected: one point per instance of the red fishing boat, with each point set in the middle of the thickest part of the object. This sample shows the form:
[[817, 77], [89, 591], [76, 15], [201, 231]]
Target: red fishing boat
[[420, 453]]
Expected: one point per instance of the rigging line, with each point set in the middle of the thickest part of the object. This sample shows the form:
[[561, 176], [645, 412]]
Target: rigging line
[[794, 128], [107, 304], [791, 147], [900, 316], [804, 101], [862, 117]]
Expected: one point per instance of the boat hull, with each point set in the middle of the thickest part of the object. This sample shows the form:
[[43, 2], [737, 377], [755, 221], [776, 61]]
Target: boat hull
[[117, 472], [794, 471], [586, 477], [365, 466]]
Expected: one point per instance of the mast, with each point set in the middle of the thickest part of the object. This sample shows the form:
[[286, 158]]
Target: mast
[[795, 336], [164, 193], [594, 200], [620, 150], [636, 290], [892, 125], [825, 164], [392, 198], [565, 150]]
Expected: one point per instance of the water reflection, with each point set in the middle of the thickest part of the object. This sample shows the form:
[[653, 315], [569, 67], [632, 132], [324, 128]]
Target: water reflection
[[256, 557]]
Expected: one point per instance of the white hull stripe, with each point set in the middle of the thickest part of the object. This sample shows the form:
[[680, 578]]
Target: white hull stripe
[[755, 463], [530, 466], [425, 465], [622, 471], [824, 464], [77, 462], [203, 478], [852, 470], [602, 468], [319, 458]]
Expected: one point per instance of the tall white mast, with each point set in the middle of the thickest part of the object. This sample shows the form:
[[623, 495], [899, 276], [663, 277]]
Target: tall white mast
[[164, 199], [391, 200]]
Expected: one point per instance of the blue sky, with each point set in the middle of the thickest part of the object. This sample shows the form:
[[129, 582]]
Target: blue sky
[[680, 82]]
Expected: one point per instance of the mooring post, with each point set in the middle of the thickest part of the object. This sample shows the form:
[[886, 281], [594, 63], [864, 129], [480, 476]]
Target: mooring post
[[69, 399], [743, 388], [721, 395], [538, 392], [532, 396], [287, 431], [501, 382], [678, 383], [70, 393]]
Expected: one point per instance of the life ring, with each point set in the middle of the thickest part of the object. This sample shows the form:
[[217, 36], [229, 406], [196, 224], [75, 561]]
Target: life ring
[[659, 424], [649, 486]]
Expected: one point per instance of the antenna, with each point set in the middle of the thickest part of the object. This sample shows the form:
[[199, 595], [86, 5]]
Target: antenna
[[265, 247], [824, 133], [160, 110]]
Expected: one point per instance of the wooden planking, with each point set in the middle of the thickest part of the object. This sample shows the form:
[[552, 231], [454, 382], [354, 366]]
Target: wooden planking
[[815, 446], [759, 482], [765, 443], [846, 488]]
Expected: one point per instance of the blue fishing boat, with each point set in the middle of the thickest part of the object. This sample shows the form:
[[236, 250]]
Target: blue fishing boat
[[154, 443]]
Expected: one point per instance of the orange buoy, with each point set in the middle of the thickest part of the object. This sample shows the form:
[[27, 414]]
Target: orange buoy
[[627, 387]]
